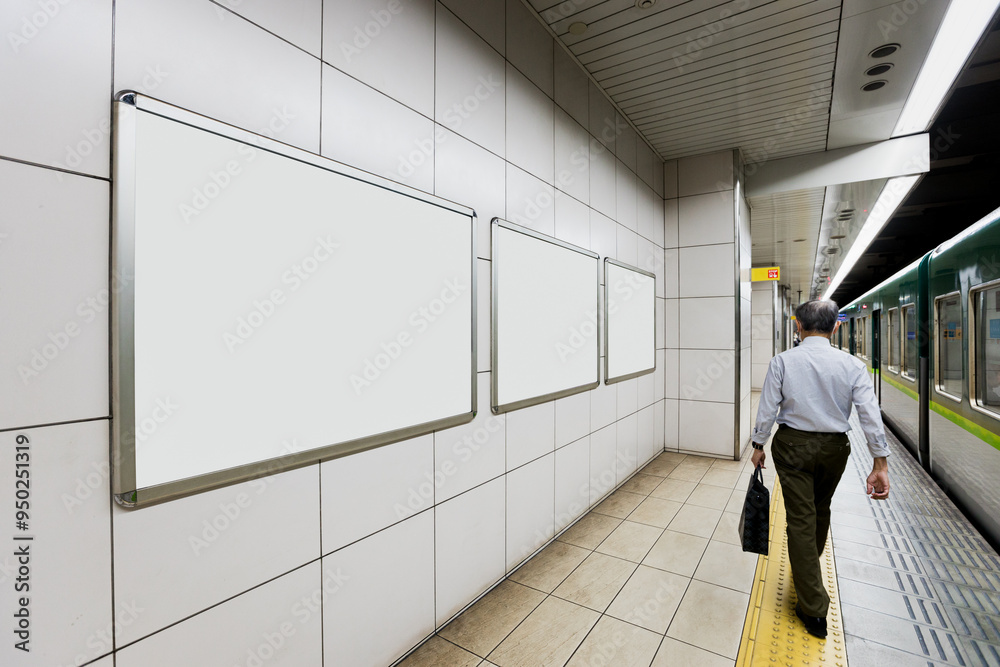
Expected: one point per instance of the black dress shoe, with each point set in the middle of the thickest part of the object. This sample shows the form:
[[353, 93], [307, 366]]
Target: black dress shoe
[[815, 625]]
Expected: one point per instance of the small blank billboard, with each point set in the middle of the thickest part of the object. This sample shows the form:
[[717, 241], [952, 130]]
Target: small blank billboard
[[630, 321]]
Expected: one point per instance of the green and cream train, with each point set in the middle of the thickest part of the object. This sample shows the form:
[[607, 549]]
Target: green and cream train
[[930, 336]]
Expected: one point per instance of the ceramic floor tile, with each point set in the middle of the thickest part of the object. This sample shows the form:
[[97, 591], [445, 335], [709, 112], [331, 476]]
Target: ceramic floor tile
[[484, 625], [619, 504], [736, 501], [659, 468], [551, 566], [687, 473], [724, 478], [727, 565], [674, 489], [711, 617], [616, 644], [895, 632], [733, 466], [642, 484], [650, 598], [728, 530], [706, 495], [590, 531], [864, 652], [437, 652], [673, 653], [694, 520], [596, 582], [630, 541], [676, 552], [655, 512], [548, 636]]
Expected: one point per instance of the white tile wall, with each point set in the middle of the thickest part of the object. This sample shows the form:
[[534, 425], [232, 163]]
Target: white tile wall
[[278, 623], [706, 219], [603, 120], [670, 179], [625, 196], [530, 201], [603, 462], [572, 220], [470, 546], [706, 427], [572, 156], [469, 84], [69, 519], [571, 87], [469, 174], [530, 433], [708, 375], [529, 45], [572, 483], [696, 282], [468, 455], [485, 17], [41, 127], [708, 323], [298, 21], [627, 447], [530, 128], [705, 173], [369, 38], [55, 307], [386, 589], [366, 492], [179, 51], [572, 418], [364, 128], [530, 508], [602, 178], [176, 559], [439, 123]]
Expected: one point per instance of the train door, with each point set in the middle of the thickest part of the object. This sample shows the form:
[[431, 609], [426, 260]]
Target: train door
[[877, 353]]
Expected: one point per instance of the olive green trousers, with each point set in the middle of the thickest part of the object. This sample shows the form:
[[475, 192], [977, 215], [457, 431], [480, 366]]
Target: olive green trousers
[[809, 466]]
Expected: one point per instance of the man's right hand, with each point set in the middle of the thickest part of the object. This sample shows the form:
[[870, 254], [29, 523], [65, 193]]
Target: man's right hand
[[878, 480]]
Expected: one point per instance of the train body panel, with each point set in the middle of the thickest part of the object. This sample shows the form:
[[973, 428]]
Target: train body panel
[[930, 336]]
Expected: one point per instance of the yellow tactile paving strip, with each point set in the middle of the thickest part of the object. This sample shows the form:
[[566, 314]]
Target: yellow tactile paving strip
[[772, 634]]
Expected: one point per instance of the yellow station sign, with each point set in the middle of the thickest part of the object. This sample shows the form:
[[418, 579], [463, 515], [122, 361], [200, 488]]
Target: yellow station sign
[[765, 273]]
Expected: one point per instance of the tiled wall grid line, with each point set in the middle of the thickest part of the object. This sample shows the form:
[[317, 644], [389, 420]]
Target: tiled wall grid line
[[353, 561]]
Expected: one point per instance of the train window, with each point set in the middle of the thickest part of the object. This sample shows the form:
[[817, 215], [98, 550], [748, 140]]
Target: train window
[[909, 343], [986, 335], [892, 337], [948, 339], [862, 331]]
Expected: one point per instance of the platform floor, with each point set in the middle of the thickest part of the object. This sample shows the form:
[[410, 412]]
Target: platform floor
[[654, 576]]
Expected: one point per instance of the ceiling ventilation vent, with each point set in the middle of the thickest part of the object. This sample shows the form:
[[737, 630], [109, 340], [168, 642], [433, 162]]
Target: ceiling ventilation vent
[[884, 51], [644, 4], [873, 85]]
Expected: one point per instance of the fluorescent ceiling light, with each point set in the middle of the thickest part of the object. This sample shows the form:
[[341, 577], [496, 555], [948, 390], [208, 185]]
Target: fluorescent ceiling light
[[963, 25], [893, 193]]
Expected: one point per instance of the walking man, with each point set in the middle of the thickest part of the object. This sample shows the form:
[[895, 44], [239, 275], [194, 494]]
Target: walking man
[[809, 390]]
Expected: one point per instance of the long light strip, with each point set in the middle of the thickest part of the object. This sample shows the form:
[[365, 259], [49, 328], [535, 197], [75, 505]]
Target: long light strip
[[893, 193], [963, 25]]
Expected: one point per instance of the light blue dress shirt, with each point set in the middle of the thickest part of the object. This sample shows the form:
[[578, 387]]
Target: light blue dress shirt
[[814, 385]]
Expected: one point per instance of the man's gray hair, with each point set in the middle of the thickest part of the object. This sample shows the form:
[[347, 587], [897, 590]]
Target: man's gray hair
[[818, 316]]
